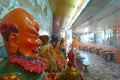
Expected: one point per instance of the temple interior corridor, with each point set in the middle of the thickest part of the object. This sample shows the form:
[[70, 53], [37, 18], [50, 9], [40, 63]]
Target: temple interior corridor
[[60, 39], [97, 67]]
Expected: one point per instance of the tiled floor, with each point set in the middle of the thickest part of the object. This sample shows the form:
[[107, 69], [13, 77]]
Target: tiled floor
[[98, 69]]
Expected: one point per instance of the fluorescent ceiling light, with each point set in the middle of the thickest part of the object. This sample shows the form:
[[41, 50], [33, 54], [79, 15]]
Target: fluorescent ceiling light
[[79, 12], [86, 29]]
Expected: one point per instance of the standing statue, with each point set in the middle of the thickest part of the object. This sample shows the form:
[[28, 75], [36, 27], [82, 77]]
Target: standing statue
[[19, 30], [72, 72]]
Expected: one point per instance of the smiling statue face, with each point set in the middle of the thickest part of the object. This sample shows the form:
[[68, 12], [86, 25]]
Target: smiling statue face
[[27, 42]]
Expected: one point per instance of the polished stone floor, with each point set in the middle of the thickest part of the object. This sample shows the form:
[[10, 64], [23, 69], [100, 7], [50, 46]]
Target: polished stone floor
[[98, 68]]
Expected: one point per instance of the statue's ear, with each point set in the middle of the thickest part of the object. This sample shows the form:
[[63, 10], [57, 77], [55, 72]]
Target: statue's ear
[[13, 42]]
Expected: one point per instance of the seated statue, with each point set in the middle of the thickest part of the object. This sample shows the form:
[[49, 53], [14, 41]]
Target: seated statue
[[54, 40], [63, 46], [59, 55], [56, 61], [19, 30], [47, 54]]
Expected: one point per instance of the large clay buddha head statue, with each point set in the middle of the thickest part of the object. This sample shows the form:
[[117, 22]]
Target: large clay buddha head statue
[[20, 33]]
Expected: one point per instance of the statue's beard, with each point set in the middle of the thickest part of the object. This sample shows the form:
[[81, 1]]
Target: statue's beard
[[37, 65]]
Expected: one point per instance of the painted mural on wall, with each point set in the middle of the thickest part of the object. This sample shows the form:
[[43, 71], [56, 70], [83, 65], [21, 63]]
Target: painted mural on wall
[[40, 9]]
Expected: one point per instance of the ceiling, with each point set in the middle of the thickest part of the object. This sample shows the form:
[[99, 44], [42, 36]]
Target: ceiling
[[70, 12], [94, 7], [67, 10]]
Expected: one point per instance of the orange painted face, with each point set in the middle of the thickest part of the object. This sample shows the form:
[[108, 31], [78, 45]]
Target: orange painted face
[[27, 41]]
